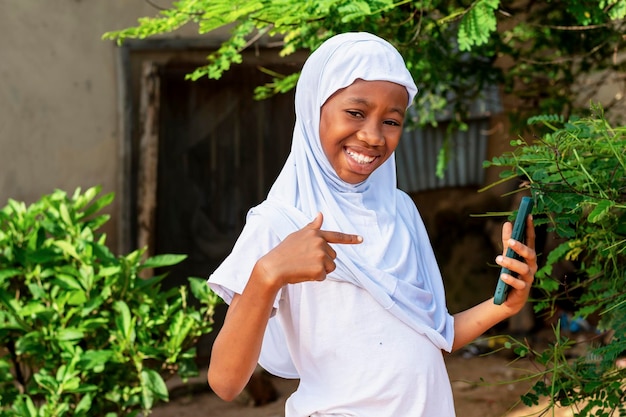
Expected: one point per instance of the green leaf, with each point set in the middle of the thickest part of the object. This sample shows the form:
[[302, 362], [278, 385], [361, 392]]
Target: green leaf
[[199, 288], [25, 407], [152, 386], [84, 405], [65, 214], [96, 324], [46, 381], [32, 308], [108, 271], [9, 273], [600, 211], [177, 332], [69, 334], [17, 207], [103, 253], [150, 282], [94, 360], [159, 261], [98, 204], [76, 298], [67, 248], [67, 282], [42, 256], [123, 320], [96, 222], [9, 302]]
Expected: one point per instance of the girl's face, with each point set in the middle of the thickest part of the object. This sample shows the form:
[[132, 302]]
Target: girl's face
[[360, 127]]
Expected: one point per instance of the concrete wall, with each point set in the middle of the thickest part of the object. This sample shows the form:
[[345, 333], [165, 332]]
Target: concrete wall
[[59, 109]]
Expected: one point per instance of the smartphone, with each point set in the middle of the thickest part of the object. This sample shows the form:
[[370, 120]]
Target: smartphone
[[519, 234]]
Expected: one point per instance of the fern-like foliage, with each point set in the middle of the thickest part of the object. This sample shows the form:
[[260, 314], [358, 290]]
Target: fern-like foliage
[[545, 119], [449, 46], [577, 175], [228, 53], [478, 23]]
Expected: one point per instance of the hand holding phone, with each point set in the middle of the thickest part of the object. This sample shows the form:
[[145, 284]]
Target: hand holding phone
[[519, 234]]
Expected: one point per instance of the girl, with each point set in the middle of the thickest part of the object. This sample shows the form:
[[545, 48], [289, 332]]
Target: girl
[[333, 279]]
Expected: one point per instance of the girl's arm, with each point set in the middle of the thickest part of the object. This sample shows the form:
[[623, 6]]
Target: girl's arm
[[304, 255], [237, 347], [471, 323]]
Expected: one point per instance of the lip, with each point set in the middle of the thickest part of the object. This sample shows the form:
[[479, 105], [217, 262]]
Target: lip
[[362, 151], [359, 167]]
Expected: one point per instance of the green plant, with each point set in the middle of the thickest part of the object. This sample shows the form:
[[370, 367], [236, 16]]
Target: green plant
[[81, 334], [576, 171], [536, 50]]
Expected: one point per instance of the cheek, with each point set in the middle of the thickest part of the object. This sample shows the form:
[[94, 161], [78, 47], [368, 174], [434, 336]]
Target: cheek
[[393, 140], [330, 134], [325, 129], [328, 146]]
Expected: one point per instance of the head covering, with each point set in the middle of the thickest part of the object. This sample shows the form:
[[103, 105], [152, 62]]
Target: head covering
[[395, 262], [336, 64]]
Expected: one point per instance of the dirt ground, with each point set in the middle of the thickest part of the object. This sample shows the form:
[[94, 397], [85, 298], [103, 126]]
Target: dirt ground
[[481, 384]]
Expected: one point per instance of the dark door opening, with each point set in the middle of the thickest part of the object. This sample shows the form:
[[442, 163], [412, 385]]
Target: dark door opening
[[219, 152]]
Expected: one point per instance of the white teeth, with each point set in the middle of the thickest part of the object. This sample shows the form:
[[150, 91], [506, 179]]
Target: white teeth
[[361, 159]]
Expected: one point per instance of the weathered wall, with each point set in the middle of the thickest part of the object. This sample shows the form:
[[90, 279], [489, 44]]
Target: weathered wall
[[59, 105]]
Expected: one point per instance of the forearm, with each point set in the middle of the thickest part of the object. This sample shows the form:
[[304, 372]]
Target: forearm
[[471, 323], [237, 347]]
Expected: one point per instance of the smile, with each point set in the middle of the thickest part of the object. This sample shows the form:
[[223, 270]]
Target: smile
[[360, 158]]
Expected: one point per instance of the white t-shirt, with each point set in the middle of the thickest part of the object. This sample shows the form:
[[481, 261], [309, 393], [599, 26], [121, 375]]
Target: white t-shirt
[[354, 358]]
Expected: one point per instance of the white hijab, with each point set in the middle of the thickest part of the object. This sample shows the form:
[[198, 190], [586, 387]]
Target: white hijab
[[397, 267]]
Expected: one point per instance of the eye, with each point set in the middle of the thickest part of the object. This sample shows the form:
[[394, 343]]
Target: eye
[[392, 123], [354, 113]]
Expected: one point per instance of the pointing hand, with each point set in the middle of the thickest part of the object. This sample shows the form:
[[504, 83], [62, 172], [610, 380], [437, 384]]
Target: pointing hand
[[305, 255]]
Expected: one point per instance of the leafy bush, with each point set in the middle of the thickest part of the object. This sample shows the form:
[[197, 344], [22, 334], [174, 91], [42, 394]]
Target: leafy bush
[[576, 172], [81, 334]]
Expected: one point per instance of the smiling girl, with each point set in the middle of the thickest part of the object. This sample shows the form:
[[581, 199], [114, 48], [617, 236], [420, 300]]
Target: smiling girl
[[333, 279]]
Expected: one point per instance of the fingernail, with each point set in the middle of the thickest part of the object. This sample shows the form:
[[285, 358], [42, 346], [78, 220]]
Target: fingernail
[[499, 258], [359, 238], [512, 242]]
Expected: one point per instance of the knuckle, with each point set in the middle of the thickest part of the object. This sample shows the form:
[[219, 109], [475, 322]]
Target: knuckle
[[319, 257]]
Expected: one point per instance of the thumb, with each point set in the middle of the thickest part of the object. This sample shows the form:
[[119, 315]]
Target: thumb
[[317, 222]]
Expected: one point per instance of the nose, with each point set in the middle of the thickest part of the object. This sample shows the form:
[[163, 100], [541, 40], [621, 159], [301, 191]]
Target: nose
[[372, 134]]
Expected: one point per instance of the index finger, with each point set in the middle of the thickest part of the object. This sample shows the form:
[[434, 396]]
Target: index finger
[[338, 237]]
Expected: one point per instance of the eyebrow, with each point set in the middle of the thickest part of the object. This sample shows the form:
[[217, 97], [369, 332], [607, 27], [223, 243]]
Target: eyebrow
[[360, 100]]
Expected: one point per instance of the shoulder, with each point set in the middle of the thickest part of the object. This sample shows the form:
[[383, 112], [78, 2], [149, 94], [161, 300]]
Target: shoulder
[[406, 205], [255, 240], [258, 230], [283, 219], [404, 198]]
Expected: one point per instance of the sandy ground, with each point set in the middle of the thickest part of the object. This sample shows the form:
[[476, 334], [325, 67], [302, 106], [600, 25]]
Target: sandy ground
[[481, 384]]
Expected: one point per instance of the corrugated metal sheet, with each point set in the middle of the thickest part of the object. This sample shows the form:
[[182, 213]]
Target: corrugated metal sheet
[[416, 157]]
